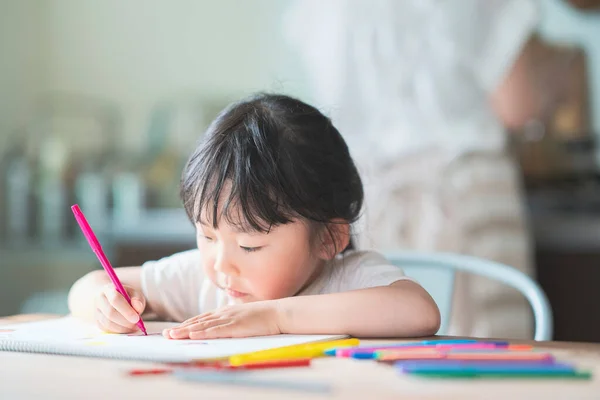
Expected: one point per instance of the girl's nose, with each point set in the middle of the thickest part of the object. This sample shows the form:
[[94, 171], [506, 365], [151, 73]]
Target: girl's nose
[[225, 265]]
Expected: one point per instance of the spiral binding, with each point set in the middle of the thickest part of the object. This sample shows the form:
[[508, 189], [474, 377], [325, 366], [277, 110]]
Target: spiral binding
[[47, 348]]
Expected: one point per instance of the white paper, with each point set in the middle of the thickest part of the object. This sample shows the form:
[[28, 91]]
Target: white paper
[[70, 336]]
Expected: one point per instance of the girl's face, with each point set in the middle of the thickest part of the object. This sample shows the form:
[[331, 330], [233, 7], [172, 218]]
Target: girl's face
[[252, 266]]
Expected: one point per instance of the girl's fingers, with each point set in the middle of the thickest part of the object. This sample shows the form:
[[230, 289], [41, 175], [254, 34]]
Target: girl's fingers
[[184, 333], [118, 302], [181, 331], [195, 319], [226, 330], [138, 305], [109, 326], [198, 327], [111, 314]]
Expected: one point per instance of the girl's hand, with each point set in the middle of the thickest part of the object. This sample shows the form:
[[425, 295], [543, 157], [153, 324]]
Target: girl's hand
[[113, 312], [251, 319]]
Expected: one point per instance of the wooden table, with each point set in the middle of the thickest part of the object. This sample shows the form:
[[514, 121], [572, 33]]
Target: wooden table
[[32, 376]]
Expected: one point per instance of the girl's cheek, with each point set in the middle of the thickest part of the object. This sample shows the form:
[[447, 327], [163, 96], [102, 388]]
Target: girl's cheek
[[209, 270], [220, 279], [256, 282], [272, 288]]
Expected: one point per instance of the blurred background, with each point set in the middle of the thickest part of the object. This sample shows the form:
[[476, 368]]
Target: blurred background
[[102, 101]]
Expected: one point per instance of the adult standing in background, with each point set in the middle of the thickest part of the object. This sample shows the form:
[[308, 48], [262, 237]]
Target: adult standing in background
[[424, 91]]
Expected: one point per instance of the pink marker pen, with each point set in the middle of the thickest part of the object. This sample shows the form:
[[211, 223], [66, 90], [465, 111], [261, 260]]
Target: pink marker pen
[[95, 245]]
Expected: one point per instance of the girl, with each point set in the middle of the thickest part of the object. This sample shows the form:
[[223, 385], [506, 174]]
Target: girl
[[272, 191]]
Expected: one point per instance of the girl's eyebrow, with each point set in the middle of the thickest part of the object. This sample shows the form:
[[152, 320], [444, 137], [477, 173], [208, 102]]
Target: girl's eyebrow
[[238, 228], [245, 228]]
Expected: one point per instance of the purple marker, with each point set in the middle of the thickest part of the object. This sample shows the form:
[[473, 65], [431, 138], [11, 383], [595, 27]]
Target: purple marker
[[434, 367]]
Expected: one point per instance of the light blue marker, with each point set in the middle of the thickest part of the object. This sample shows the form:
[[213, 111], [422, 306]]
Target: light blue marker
[[247, 379]]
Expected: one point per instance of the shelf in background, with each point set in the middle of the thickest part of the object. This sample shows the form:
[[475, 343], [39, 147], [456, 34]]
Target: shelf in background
[[160, 226], [32, 274], [23, 256]]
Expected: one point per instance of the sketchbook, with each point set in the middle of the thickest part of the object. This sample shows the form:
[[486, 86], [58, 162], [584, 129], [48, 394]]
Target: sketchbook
[[71, 336]]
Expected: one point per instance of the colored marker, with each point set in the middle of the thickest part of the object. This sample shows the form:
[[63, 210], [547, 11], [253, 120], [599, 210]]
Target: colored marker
[[245, 379], [432, 366], [415, 354], [411, 356], [421, 344], [500, 356], [583, 375], [363, 352], [272, 364], [224, 367], [198, 364], [459, 355], [330, 352], [303, 351], [349, 352], [520, 348], [447, 341], [370, 354], [153, 371], [97, 249], [485, 365]]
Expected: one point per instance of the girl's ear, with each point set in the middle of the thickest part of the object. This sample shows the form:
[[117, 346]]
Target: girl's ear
[[335, 237]]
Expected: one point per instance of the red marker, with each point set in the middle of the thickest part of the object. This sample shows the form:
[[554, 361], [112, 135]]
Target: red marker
[[155, 371], [223, 367]]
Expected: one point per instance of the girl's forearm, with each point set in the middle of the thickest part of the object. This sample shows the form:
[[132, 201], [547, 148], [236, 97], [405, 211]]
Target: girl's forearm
[[403, 309]]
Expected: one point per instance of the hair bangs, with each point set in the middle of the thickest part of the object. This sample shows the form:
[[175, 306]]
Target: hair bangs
[[269, 160], [237, 185]]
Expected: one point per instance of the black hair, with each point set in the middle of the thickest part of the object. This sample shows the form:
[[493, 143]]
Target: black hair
[[284, 161]]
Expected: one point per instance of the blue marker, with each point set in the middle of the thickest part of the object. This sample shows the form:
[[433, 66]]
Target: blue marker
[[330, 352], [250, 380]]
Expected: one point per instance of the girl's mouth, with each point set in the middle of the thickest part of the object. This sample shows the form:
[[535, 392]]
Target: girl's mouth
[[222, 283], [235, 293]]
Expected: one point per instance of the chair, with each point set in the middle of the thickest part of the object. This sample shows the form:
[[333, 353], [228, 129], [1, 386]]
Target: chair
[[436, 272]]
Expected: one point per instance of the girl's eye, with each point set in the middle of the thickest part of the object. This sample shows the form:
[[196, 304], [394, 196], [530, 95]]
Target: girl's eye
[[250, 249], [209, 239]]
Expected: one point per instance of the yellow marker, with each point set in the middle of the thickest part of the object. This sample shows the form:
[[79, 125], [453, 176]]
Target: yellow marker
[[309, 350], [96, 343]]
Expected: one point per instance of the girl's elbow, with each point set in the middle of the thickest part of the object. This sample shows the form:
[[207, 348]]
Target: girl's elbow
[[432, 320], [429, 312]]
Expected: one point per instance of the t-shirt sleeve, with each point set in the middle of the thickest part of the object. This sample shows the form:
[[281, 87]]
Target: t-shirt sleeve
[[172, 285], [362, 270]]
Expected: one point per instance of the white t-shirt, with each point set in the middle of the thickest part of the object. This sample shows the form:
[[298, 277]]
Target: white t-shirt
[[176, 287]]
